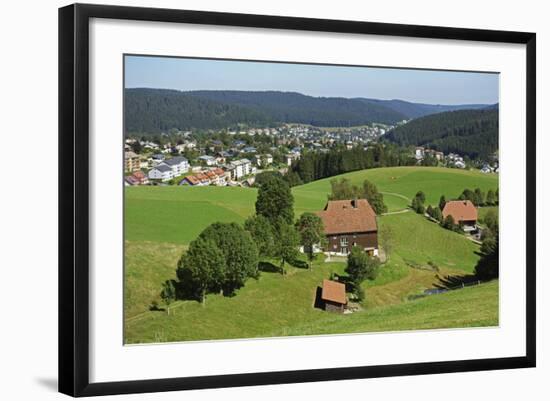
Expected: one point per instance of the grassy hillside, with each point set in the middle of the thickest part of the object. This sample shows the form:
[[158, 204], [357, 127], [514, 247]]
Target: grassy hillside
[[276, 305], [161, 221], [396, 182], [469, 307], [179, 214]]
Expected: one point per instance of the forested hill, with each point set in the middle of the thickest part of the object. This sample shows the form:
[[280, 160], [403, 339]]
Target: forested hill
[[416, 110], [292, 107], [159, 110], [468, 132]]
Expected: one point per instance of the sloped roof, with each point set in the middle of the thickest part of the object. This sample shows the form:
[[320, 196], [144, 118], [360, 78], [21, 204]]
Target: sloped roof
[[162, 168], [140, 175], [348, 216], [175, 160], [333, 291], [461, 210]]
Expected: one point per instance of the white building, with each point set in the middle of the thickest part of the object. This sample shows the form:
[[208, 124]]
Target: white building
[[242, 168], [161, 172], [263, 160], [209, 160], [419, 153], [290, 157], [179, 165]]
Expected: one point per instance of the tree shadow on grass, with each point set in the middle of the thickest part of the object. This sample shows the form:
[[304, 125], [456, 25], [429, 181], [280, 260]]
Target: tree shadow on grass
[[269, 267], [299, 264], [457, 281], [319, 303]]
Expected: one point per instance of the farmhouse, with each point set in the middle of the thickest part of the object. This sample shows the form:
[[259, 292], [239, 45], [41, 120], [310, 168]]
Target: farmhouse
[[350, 223], [463, 212], [334, 296]]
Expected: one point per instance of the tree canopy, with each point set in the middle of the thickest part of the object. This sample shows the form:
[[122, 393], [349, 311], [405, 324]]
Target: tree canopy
[[311, 231], [275, 201], [343, 189]]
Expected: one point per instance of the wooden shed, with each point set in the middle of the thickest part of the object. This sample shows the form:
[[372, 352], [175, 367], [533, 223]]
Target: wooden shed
[[334, 296]]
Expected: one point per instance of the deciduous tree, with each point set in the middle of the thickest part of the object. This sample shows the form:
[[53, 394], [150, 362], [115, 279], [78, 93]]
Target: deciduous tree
[[361, 266], [275, 201], [261, 231], [204, 265], [311, 230]]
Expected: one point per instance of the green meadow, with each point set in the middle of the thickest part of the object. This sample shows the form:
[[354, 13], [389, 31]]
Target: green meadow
[[161, 221]]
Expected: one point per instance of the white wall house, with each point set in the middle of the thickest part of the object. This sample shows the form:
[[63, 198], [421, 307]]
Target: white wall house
[[179, 165], [209, 160], [290, 157], [242, 168], [161, 172], [419, 153]]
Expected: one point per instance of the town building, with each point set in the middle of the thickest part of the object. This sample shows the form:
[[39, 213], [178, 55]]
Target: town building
[[333, 296], [263, 160], [350, 223], [242, 168], [291, 157], [419, 153], [463, 212], [131, 162], [179, 165], [208, 160], [137, 178], [161, 172], [157, 158]]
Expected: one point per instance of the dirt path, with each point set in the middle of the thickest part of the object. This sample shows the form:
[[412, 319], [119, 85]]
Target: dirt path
[[396, 212], [399, 196]]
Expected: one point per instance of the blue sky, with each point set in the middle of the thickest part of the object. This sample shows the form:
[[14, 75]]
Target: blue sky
[[439, 87]]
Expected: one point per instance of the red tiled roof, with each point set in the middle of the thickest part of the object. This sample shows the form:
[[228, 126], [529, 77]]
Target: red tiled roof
[[140, 175], [334, 291], [192, 179], [461, 210], [348, 216]]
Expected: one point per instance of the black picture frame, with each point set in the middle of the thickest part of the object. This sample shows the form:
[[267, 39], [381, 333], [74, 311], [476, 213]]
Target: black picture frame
[[74, 198]]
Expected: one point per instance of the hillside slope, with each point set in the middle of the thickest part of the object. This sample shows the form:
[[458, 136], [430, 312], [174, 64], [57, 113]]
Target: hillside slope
[[158, 110], [468, 132], [416, 110], [292, 107]]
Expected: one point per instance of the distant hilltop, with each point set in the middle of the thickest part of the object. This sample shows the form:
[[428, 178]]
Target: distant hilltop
[[158, 110]]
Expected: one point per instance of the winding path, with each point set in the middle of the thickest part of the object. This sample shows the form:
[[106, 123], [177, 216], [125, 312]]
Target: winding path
[[399, 196]]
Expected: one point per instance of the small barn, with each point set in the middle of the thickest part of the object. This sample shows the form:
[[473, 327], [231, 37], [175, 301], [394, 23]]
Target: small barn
[[334, 296]]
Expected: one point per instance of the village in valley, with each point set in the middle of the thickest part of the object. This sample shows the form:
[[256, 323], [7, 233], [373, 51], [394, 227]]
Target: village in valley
[[183, 160], [255, 214]]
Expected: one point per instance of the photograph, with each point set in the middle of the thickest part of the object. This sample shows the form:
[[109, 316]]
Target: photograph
[[268, 199]]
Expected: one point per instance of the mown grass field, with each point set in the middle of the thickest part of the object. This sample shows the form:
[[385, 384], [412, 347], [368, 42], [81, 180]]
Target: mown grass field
[[399, 182], [161, 221]]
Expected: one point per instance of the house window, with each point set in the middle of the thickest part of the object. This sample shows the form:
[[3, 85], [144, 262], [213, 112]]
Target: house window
[[343, 241], [344, 250]]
